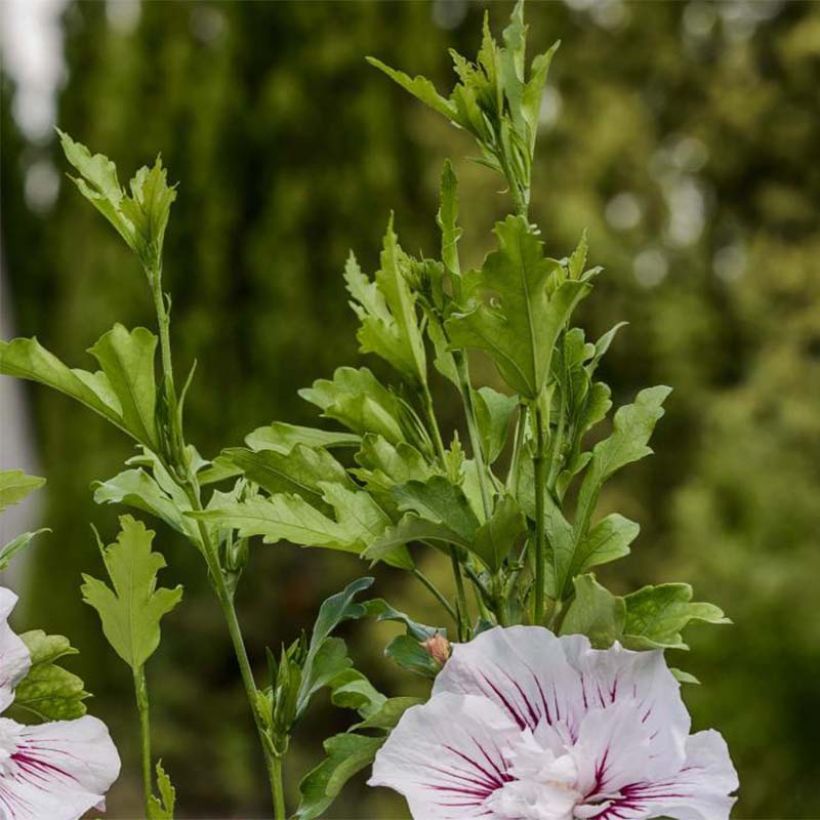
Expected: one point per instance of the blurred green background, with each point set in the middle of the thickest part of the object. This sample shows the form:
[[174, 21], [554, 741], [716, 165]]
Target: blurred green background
[[684, 135]]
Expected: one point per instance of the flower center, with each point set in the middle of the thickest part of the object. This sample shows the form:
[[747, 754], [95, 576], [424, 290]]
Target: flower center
[[544, 788]]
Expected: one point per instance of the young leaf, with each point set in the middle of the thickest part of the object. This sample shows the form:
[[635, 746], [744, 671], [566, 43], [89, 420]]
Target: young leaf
[[162, 807], [633, 427], [132, 610], [148, 209], [497, 537], [383, 465], [420, 87], [142, 217], [99, 184], [356, 399], [48, 690], [8, 551], [494, 411], [15, 485], [594, 612], [447, 219], [519, 327], [327, 657], [655, 616], [386, 309]]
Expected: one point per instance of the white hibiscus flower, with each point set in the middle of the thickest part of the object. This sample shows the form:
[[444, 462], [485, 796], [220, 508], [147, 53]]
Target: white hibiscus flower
[[523, 724], [56, 770]]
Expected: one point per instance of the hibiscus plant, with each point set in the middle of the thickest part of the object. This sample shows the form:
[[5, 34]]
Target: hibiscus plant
[[552, 698]]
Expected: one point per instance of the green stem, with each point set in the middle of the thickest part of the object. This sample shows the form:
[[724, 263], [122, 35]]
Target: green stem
[[518, 446], [141, 693], [436, 593], [432, 422], [278, 789], [461, 596], [163, 324], [472, 429], [187, 481], [226, 602], [539, 470]]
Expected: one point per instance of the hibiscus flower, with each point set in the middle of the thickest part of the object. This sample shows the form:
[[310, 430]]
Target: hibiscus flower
[[523, 724], [56, 770]]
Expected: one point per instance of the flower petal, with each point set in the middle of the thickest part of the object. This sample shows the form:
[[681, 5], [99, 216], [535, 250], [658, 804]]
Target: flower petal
[[610, 675], [521, 668], [58, 770], [702, 789], [615, 750], [445, 756], [15, 660]]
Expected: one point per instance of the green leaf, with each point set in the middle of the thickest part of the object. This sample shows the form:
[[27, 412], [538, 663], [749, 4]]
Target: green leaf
[[162, 807], [28, 359], [356, 522], [410, 655], [412, 528], [387, 311], [407, 650], [132, 610], [327, 657], [420, 87], [99, 184], [352, 690], [15, 485], [283, 437], [383, 465], [48, 690], [8, 551], [520, 325], [127, 359], [389, 713], [149, 208], [656, 615], [594, 612], [302, 470], [633, 427], [439, 501], [356, 399], [124, 394], [534, 90], [347, 754], [142, 217], [502, 533], [382, 611], [447, 219], [494, 411], [607, 541], [137, 489]]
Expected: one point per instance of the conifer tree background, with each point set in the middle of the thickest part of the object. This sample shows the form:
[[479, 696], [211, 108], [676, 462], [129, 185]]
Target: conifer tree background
[[684, 136]]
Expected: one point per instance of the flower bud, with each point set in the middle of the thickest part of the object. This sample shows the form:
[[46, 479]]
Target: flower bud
[[438, 647]]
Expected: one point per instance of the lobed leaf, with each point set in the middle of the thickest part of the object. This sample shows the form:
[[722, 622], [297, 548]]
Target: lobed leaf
[[48, 690], [132, 607], [519, 327]]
